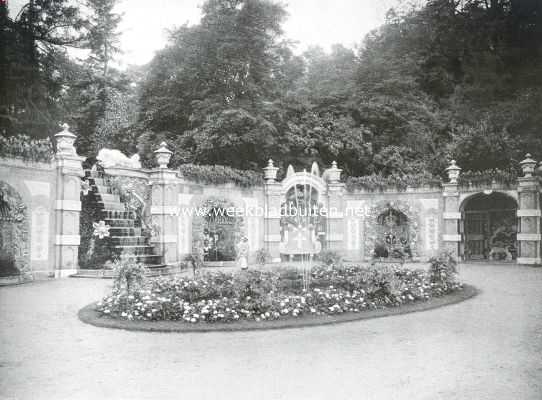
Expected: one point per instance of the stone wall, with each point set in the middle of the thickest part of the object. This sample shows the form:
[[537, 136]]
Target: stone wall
[[35, 184]]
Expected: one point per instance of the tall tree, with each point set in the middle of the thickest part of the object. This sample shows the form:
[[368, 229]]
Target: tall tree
[[33, 62]]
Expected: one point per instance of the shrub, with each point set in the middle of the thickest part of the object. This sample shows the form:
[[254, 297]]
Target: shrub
[[262, 256], [130, 276], [379, 182], [219, 174], [7, 265], [26, 148], [443, 270], [330, 258]]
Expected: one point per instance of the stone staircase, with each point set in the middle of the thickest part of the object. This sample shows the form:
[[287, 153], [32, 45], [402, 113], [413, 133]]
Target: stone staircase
[[125, 233]]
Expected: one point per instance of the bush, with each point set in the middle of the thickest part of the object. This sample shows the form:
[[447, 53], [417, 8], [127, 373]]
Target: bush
[[219, 174], [330, 258], [130, 276], [262, 256], [7, 265], [26, 148], [443, 270]]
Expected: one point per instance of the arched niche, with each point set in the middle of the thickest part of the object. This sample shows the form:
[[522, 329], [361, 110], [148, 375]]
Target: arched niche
[[390, 227], [217, 231], [14, 232]]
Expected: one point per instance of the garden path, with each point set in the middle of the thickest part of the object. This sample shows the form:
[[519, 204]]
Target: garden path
[[489, 347]]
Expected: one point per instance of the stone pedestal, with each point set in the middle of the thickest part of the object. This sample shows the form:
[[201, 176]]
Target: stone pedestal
[[335, 220], [69, 172], [273, 199], [164, 212], [451, 237], [68, 209], [529, 232]]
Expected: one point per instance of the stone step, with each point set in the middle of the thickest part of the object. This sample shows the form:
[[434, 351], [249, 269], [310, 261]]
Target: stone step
[[121, 223], [111, 206], [146, 259], [110, 198], [114, 214], [152, 271], [100, 189], [144, 249], [124, 231], [129, 240]]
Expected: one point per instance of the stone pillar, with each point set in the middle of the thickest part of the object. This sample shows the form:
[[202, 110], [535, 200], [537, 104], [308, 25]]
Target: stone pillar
[[528, 214], [68, 203], [451, 237], [273, 199], [335, 220], [164, 206]]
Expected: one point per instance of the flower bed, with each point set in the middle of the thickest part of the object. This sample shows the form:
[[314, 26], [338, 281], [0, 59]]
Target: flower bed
[[272, 295]]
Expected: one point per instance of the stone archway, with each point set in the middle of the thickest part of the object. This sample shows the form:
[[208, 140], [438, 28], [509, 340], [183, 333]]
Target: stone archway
[[489, 227], [218, 231], [391, 226], [14, 233]]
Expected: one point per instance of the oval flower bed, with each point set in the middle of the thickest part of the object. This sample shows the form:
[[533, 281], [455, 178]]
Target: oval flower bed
[[261, 296]]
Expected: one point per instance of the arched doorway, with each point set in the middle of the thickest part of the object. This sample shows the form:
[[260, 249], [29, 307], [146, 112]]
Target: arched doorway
[[218, 231], [490, 227], [14, 240], [303, 227]]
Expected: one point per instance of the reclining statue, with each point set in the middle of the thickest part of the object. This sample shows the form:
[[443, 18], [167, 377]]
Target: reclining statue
[[109, 158]]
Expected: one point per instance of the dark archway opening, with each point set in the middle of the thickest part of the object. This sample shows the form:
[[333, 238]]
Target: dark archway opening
[[490, 227]]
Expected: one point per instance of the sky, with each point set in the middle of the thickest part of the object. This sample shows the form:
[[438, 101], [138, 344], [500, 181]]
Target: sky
[[310, 22]]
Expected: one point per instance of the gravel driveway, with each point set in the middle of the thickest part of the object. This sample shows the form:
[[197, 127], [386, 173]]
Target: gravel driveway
[[489, 347]]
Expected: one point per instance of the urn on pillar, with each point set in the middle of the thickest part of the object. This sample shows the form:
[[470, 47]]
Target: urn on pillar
[[334, 173], [453, 172], [163, 155], [270, 172], [527, 166], [65, 140]]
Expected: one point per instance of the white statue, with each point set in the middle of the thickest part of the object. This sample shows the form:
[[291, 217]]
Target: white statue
[[109, 158]]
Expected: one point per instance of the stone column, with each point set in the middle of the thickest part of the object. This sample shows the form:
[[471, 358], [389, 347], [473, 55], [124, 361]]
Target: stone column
[[528, 214], [273, 199], [335, 220], [164, 206], [68, 203], [451, 237]]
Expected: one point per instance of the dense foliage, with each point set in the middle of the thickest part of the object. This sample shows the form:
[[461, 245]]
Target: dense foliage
[[218, 174], [26, 148], [269, 295], [444, 80]]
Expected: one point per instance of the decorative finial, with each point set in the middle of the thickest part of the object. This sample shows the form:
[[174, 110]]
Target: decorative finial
[[453, 172], [334, 173], [270, 172], [65, 140], [527, 165], [163, 155]]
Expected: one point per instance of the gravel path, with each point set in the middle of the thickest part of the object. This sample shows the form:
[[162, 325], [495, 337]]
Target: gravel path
[[489, 347]]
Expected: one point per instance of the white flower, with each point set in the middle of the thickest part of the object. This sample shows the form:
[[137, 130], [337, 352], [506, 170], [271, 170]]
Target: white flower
[[101, 229], [85, 187]]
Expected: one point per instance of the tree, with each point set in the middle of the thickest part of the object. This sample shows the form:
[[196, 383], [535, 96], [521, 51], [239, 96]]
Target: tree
[[212, 89], [33, 62]]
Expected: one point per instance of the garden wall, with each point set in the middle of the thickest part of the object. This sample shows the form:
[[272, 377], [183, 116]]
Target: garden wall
[[28, 215]]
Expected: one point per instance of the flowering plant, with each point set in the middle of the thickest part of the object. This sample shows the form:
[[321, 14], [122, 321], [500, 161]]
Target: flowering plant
[[268, 295], [101, 229]]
